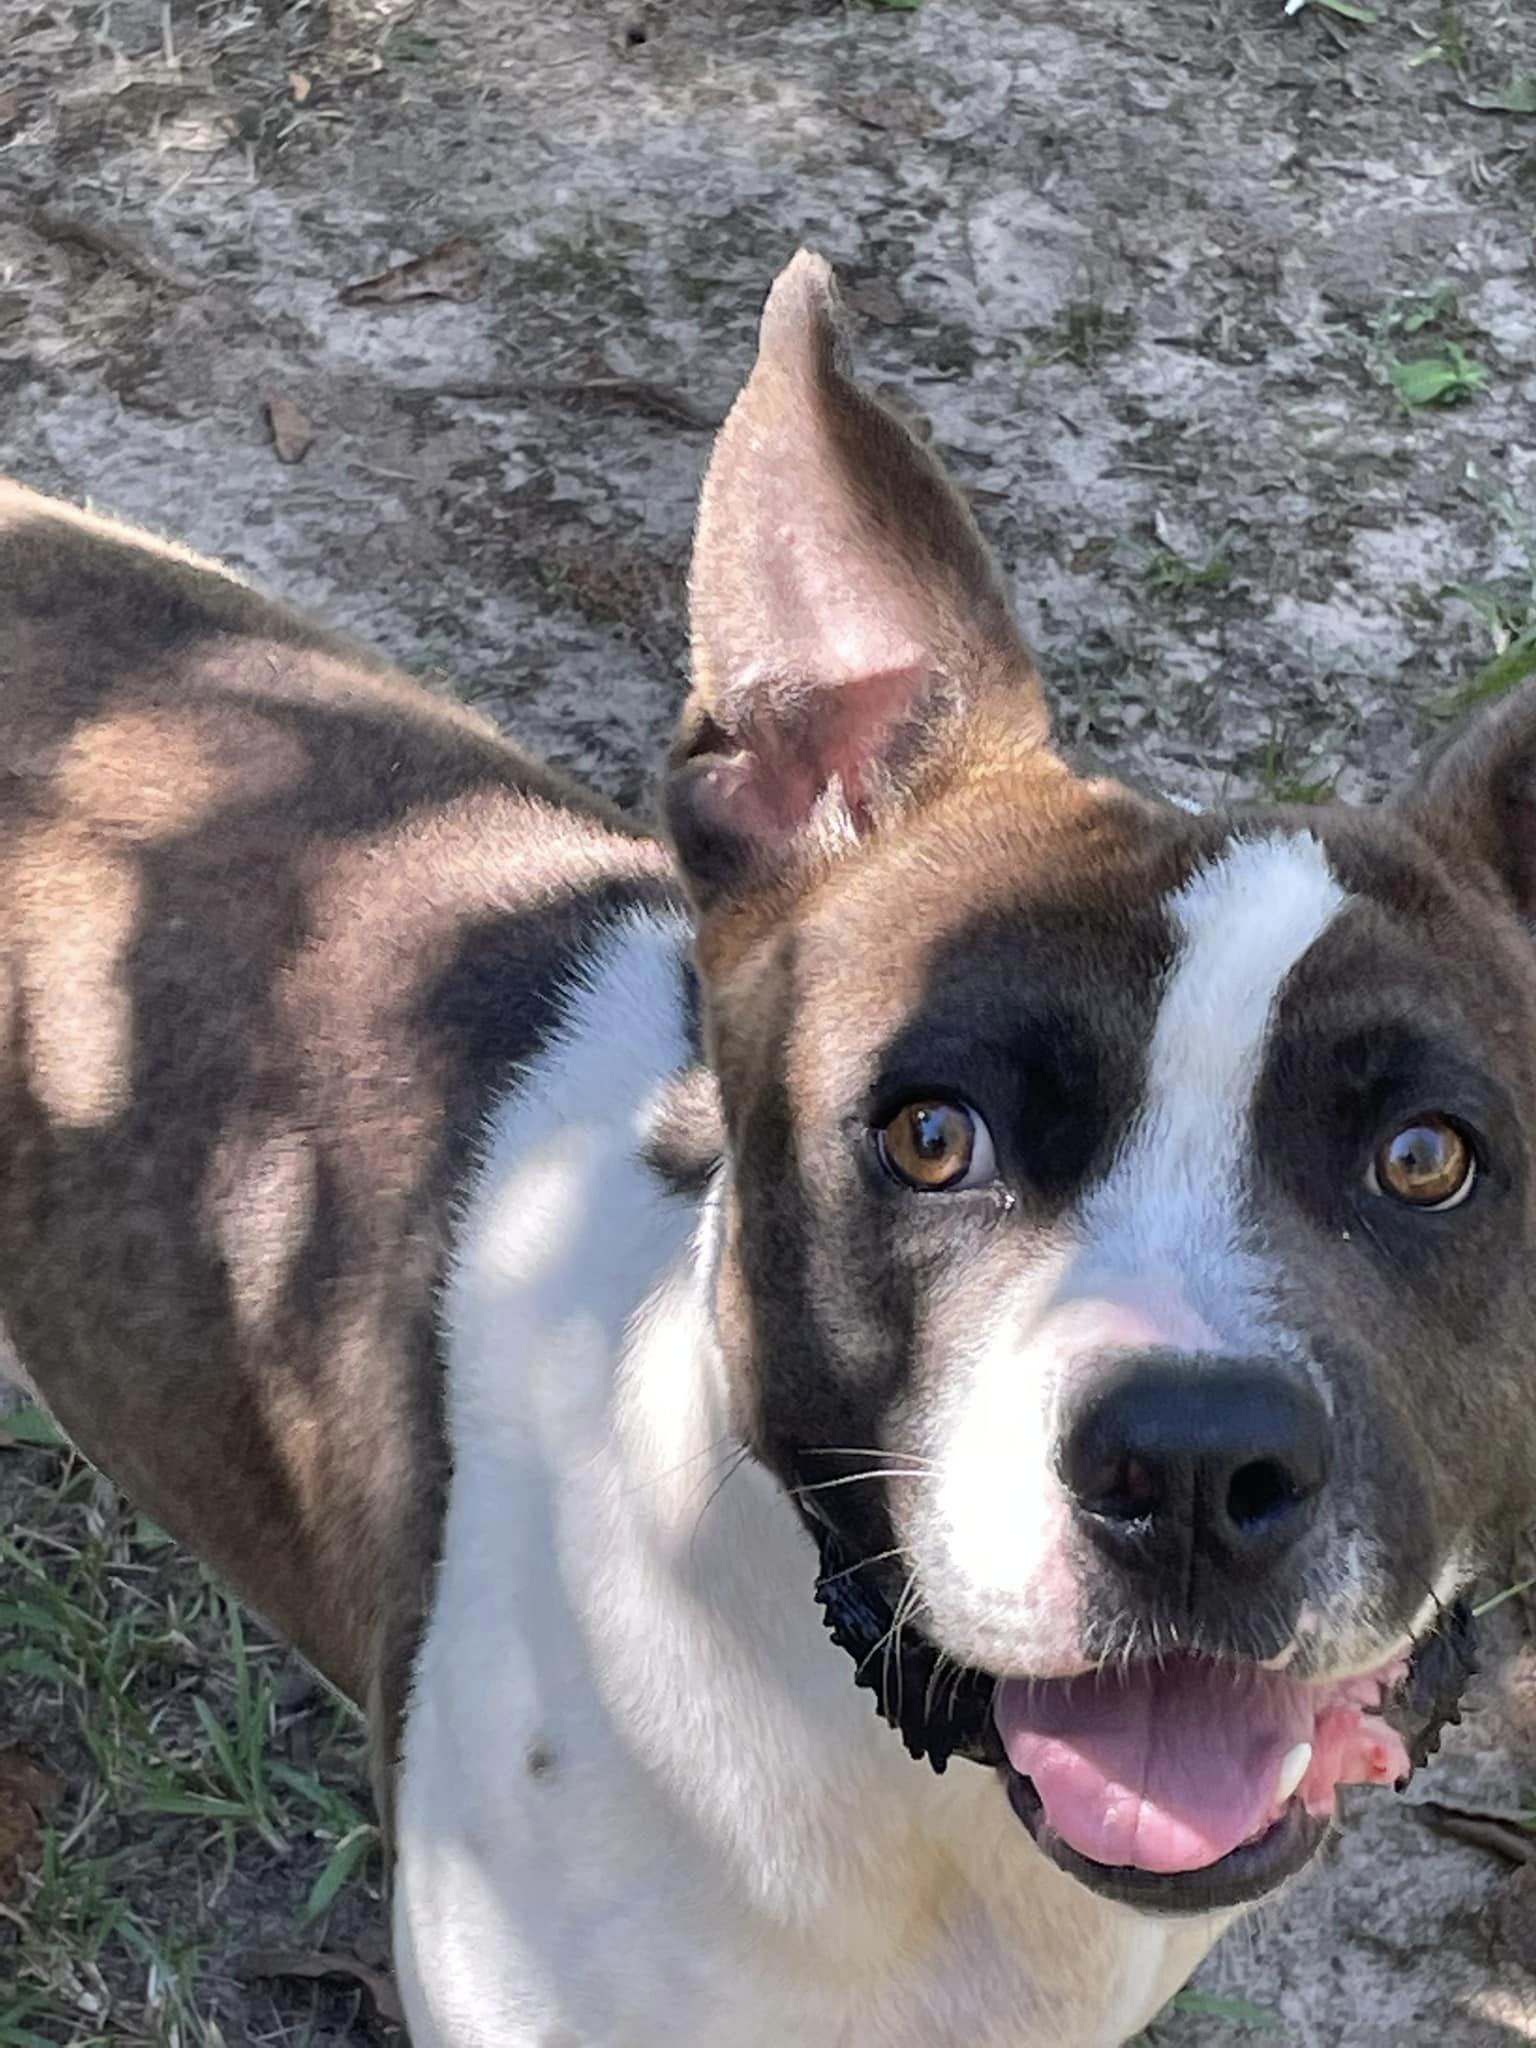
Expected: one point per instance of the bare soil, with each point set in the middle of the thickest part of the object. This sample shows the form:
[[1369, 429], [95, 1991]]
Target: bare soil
[[1158, 276]]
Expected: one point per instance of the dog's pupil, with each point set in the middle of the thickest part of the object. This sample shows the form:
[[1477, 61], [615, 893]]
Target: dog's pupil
[[1421, 1155], [1417, 1155], [1426, 1161], [934, 1134]]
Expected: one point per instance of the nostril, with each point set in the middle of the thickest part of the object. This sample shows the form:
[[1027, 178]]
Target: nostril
[[1133, 1493], [1116, 1487], [1261, 1492]]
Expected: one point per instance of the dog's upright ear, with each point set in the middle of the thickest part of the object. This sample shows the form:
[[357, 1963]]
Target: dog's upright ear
[[1475, 802], [846, 614]]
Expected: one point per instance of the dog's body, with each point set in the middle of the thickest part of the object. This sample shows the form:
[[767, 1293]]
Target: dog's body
[[286, 938], [1061, 1236], [697, 1830]]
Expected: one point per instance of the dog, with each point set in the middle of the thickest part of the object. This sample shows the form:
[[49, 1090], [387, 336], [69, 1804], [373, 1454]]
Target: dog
[[937, 1253]]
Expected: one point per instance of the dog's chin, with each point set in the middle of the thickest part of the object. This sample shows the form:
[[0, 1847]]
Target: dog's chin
[[1245, 1874]]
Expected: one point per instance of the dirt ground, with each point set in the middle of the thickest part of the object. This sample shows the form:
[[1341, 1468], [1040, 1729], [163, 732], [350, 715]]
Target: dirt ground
[[1224, 317]]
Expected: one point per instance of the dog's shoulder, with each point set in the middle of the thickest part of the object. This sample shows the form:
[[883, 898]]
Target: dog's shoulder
[[280, 927]]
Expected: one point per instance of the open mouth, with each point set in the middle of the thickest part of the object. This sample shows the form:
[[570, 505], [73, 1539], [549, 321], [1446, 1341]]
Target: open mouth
[[1189, 1784]]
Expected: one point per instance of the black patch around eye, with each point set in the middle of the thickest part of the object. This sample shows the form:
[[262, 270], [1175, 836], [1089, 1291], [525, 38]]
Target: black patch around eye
[[1062, 1118], [1327, 1104], [1044, 1094]]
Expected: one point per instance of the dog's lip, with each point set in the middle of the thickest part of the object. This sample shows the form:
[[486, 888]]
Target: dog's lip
[[1248, 1873]]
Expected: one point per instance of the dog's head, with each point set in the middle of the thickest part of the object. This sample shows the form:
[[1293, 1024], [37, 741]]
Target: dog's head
[[1129, 1262]]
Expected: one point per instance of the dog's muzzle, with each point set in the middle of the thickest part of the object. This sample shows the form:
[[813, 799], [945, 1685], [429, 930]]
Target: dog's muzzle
[[943, 1710]]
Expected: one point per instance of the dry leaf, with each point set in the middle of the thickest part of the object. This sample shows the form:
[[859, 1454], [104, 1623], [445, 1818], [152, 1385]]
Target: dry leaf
[[18, 1844], [319, 1963], [299, 86], [29, 1781], [452, 270], [895, 111], [292, 431], [877, 300], [28, 1794]]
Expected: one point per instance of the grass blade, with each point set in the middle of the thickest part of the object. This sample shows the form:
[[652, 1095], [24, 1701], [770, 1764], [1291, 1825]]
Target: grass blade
[[348, 1856]]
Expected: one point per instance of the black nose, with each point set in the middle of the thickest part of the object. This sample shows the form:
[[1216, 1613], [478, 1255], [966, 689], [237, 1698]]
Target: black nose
[[1179, 1463]]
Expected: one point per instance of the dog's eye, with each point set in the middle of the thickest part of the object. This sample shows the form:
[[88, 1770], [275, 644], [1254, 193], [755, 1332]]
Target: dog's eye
[[937, 1146], [1428, 1164]]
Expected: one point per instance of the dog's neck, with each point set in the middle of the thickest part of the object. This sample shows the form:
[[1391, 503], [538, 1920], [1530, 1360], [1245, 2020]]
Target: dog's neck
[[664, 1657]]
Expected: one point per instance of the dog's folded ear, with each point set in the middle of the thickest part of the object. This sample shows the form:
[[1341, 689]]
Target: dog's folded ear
[[846, 613], [1475, 802]]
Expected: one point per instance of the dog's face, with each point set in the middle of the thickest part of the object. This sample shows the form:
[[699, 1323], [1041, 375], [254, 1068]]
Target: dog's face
[[1129, 1251]]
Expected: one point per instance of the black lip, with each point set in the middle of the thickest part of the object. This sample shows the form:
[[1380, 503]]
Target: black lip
[[1249, 1872]]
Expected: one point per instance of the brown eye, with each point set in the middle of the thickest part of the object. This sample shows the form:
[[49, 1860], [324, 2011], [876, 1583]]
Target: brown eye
[[1428, 1164], [937, 1145]]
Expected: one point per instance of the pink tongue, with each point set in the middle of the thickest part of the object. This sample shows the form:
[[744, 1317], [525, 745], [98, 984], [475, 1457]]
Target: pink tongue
[[1171, 1767]]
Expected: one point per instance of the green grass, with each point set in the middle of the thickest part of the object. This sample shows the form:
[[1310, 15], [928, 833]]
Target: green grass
[[1241, 2015], [1164, 568], [1085, 332], [1283, 770], [1445, 42], [1348, 10], [206, 1781], [1507, 608], [1421, 348], [407, 45], [1448, 376], [1237, 2012]]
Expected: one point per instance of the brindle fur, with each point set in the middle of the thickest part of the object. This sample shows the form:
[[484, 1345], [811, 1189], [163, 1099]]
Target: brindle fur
[[276, 928]]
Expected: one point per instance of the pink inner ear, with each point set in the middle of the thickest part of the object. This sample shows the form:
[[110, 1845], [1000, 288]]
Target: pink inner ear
[[824, 733]]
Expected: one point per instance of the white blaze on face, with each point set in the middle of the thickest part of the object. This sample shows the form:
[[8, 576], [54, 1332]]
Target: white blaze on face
[[1171, 1210], [1156, 1257]]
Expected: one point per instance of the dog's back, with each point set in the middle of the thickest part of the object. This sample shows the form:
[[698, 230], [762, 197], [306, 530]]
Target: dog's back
[[275, 925]]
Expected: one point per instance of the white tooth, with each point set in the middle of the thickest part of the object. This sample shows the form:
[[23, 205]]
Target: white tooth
[[1292, 1771]]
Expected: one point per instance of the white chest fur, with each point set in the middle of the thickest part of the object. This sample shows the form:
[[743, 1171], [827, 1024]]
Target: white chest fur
[[642, 1804]]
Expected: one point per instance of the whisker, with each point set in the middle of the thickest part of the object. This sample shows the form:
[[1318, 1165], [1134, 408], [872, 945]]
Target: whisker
[[733, 1458], [904, 1610], [955, 1685], [933, 1679], [721, 1484], [854, 1479], [670, 1472], [884, 1641], [858, 1451], [944, 1663], [848, 1570]]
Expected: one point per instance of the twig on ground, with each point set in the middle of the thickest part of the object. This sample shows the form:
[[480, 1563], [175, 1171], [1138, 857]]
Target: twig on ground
[[102, 238]]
